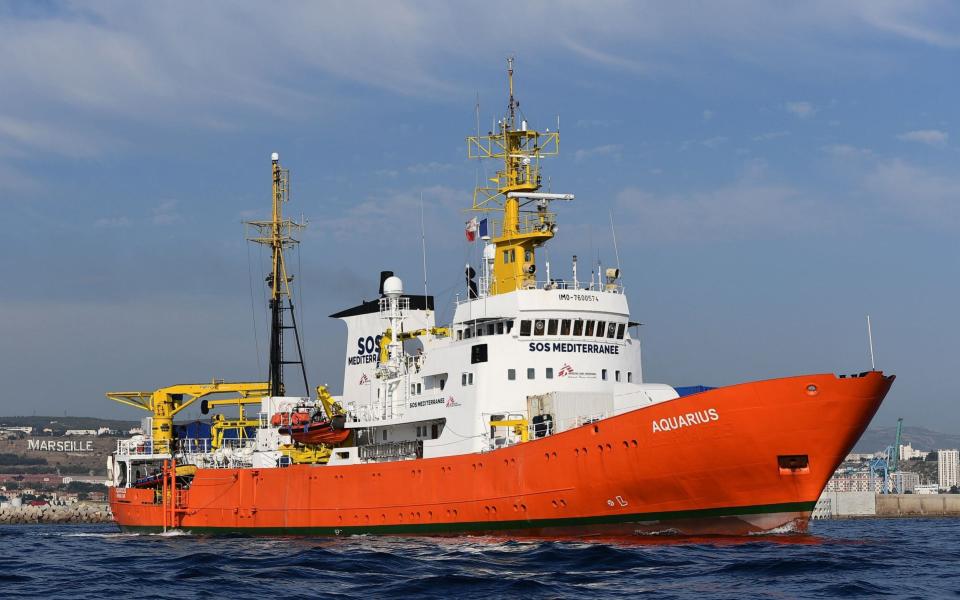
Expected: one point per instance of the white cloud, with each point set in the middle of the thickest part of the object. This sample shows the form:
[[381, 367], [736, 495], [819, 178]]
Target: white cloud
[[918, 193], [714, 142], [166, 213], [611, 150], [112, 222], [770, 135], [801, 108], [844, 151], [931, 137], [707, 115], [751, 207]]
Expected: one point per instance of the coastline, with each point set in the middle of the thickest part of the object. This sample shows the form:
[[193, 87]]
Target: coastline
[[80, 512]]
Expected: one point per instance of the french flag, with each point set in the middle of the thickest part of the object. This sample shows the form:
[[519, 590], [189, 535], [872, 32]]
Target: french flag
[[472, 226]]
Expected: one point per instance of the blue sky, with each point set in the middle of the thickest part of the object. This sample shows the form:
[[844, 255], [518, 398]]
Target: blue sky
[[776, 172]]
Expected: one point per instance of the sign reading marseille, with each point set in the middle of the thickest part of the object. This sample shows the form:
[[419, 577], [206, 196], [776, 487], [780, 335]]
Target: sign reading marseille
[[60, 445]]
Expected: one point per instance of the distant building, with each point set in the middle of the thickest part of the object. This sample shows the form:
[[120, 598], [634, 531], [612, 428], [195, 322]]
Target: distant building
[[927, 488], [948, 465], [856, 481], [135, 431], [858, 456], [81, 432], [27, 430], [903, 482], [907, 452]]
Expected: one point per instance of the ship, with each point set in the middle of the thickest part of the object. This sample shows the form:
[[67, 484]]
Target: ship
[[527, 414]]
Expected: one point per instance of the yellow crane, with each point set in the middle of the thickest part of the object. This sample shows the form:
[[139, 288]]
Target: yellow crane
[[167, 402]]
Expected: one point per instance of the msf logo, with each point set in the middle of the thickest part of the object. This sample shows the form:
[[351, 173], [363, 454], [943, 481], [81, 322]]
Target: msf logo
[[566, 370], [364, 380]]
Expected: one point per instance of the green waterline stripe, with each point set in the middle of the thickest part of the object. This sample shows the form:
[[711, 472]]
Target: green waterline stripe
[[493, 526]]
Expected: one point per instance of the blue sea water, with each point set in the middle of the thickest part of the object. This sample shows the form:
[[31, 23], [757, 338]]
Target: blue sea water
[[903, 558]]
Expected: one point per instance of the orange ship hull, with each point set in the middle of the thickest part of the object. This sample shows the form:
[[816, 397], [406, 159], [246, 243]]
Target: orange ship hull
[[733, 460]]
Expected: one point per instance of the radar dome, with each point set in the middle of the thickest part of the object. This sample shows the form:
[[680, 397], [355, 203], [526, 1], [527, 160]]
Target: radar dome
[[393, 287]]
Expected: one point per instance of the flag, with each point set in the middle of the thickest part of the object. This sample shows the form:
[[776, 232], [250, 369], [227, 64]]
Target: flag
[[484, 233], [472, 229]]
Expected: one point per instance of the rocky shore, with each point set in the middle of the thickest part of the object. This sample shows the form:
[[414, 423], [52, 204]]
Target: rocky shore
[[81, 512]]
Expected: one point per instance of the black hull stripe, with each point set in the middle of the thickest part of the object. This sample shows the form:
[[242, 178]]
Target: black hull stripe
[[497, 526]]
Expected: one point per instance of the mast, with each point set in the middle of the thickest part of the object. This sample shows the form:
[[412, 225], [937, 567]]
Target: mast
[[517, 233], [278, 235]]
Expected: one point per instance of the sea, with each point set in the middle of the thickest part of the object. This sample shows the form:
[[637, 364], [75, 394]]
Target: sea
[[901, 558]]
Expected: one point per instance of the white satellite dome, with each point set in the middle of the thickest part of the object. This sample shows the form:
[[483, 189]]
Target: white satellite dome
[[393, 287]]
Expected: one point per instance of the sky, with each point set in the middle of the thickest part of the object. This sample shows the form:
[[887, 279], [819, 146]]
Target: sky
[[774, 172]]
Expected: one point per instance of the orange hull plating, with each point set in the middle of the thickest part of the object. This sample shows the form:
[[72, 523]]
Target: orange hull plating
[[620, 475]]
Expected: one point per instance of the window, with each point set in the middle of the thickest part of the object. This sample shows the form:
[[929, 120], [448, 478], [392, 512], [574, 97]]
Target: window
[[500, 328], [413, 388], [616, 376], [588, 329], [466, 334], [601, 328], [384, 435], [525, 327], [531, 373], [621, 329], [629, 376], [578, 327], [527, 256], [552, 326], [510, 327], [549, 372], [491, 329], [612, 330], [603, 374], [459, 334], [478, 330], [478, 354], [469, 378], [463, 379], [419, 388], [443, 382], [511, 374], [509, 256], [434, 431], [565, 327], [539, 327]]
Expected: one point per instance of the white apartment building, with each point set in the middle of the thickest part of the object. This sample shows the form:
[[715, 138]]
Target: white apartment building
[[907, 452], [948, 464]]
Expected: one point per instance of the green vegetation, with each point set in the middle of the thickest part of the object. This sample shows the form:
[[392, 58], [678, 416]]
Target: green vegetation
[[18, 459]]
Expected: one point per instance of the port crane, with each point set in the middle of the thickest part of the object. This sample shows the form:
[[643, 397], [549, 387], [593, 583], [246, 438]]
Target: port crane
[[888, 463]]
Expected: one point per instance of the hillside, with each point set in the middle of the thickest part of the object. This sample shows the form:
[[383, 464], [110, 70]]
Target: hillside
[[38, 423], [878, 438]]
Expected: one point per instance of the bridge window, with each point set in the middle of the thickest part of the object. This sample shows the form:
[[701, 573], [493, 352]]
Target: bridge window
[[603, 374], [525, 327], [565, 327], [611, 330], [478, 354], [578, 327], [500, 328], [511, 374], [463, 379], [549, 372], [459, 334], [601, 328], [509, 325], [629, 376], [491, 329], [539, 327], [621, 328], [552, 327], [531, 373], [588, 329], [616, 376]]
